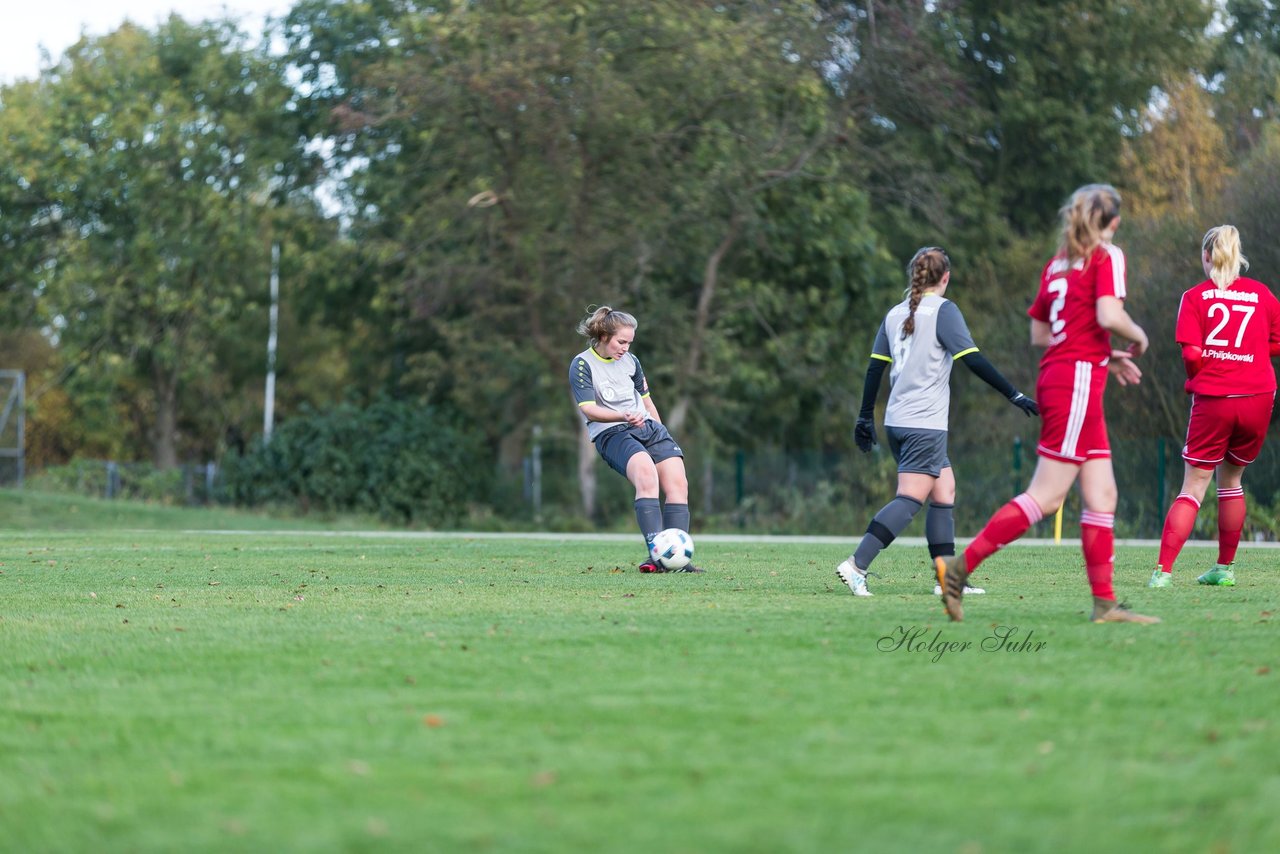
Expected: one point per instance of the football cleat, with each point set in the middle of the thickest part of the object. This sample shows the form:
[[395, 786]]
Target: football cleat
[[688, 567], [968, 590], [855, 578], [651, 566], [1111, 611], [1160, 578], [1219, 576], [952, 577]]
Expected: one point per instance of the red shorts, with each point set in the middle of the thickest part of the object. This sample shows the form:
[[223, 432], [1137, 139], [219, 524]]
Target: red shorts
[[1227, 428], [1073, 427]]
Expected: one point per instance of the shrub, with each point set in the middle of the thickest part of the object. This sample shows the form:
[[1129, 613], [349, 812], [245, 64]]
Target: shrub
[[403, 462]]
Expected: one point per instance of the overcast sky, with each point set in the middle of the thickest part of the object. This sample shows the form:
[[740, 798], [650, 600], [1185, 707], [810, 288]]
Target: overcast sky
[[55, 25]]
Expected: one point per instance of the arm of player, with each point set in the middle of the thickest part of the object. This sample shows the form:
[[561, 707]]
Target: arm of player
[[978, 363], [651, 409], [953, 335], [596, 412], [1123, 368], [864, 430], [1273, 340], [1041, 334], [1113, 318], [1192, 359]]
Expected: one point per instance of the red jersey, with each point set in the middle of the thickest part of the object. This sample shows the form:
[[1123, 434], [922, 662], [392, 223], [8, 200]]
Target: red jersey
[[1068, 299], [1235, 330]]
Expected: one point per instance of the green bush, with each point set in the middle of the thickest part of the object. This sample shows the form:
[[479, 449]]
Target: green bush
[[400, 461]]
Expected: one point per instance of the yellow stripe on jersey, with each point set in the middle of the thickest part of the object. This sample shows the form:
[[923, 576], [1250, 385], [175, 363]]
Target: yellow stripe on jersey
[[643, 396], [584, 403], [882, 358], [964, 353]]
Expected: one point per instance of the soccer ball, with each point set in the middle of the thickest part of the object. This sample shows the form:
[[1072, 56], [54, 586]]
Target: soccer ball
[[672, 548]]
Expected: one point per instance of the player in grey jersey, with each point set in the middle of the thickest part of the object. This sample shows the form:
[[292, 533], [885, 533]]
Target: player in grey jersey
[[919, 340], [612, 394]]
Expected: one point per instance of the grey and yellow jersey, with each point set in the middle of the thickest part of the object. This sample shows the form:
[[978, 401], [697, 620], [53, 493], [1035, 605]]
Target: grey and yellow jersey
[[920, 364], [615, 384]]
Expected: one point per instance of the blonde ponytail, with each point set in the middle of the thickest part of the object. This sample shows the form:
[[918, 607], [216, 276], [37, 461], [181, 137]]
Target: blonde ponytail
[[1085, 217], [1222, 244]]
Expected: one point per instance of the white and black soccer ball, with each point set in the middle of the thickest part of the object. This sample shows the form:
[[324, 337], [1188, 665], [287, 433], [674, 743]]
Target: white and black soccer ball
[[672, 548]]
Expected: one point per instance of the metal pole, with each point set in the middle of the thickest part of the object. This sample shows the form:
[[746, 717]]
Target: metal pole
[[537, 472], [269, 409], [1160, 475], [740, 476], [1017, 465], [22, 427]]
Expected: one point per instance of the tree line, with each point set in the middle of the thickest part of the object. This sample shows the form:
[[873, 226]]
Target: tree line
[[452, 185]]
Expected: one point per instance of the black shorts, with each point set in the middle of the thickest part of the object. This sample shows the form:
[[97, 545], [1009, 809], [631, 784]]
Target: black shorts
[[619, 444], [918, 451]]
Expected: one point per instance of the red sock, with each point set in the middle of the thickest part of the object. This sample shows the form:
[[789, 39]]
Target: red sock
[[1231, 511], [1098, 539], [1178, 523], [1009, 522]]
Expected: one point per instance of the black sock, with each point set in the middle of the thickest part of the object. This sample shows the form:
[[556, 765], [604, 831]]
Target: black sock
[[885, 528], [675, 516], [649, 517], [940, 530]]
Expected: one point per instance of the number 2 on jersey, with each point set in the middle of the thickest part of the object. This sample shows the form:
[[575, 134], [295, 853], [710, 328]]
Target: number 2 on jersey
[[1057, 287], [1219, 308]]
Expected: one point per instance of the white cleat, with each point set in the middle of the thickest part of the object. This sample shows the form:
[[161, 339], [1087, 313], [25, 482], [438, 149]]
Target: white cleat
[[968, 591], [855, 578]]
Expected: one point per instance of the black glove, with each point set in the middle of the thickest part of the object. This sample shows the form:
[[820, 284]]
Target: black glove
[[1025, 403], [864, 434]]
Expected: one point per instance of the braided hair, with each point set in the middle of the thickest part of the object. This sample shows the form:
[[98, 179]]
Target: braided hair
[[925, 270]]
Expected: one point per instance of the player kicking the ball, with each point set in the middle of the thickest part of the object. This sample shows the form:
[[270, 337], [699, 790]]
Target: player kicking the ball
[[612, 394], [1229, 328], [1080, 305], [919, 340]]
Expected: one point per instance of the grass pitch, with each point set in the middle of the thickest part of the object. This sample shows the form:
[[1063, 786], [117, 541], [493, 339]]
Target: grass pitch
[[193, 691]]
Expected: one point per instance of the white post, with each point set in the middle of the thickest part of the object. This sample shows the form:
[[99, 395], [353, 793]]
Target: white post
[[269, 410]]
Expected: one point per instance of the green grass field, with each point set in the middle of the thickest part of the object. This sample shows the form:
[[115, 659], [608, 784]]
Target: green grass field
[[175, 691]]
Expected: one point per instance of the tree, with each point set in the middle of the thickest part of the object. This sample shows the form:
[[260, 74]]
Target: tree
[[1061, 84], [1244, 68], [511, 163], [150, 163], [1181, 160]]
